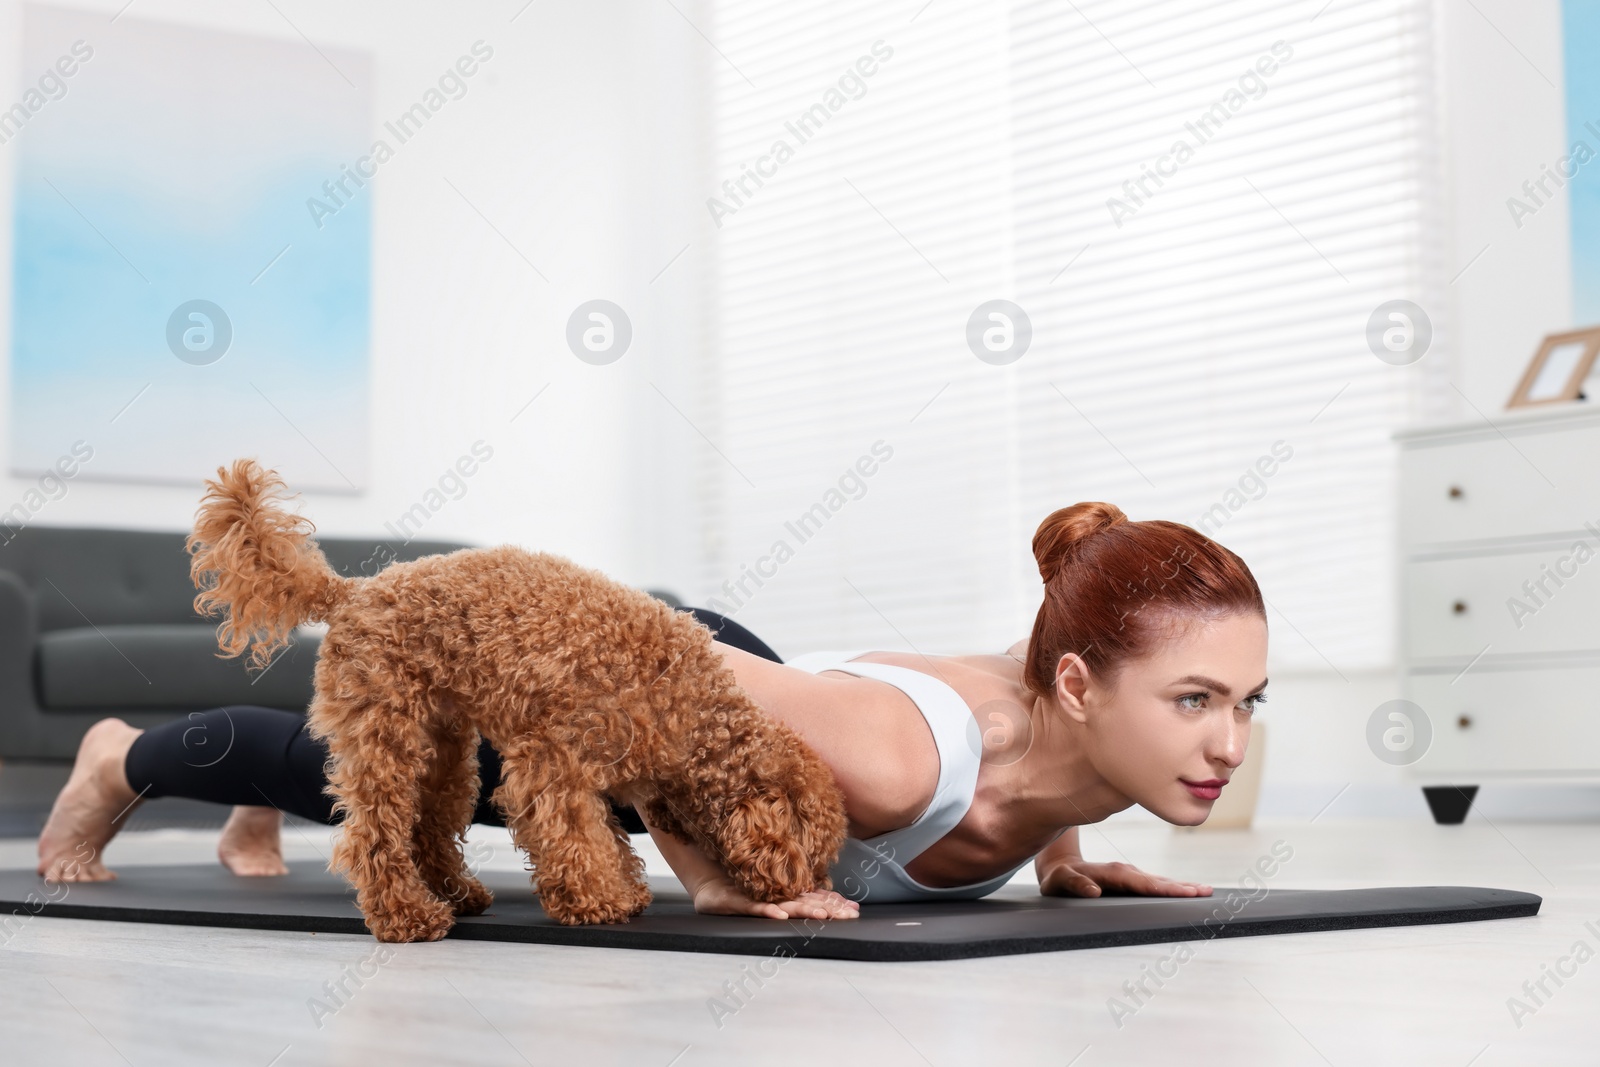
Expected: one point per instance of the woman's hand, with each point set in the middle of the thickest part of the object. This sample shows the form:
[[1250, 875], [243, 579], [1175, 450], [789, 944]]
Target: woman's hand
[[1080, 878], [717, 896]]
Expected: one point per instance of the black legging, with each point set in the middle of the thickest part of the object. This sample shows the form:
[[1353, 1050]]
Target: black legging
[[244, 754]]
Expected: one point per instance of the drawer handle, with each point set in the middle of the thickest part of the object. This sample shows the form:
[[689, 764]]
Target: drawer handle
[[1459, 607], [1465, 722], [1456, 493]]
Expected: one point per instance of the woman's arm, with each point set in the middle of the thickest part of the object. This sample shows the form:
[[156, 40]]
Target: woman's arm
[[686, 861], [1063, 849], [1063, 872]]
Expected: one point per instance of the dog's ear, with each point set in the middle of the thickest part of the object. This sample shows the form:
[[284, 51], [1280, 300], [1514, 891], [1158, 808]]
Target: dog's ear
[[763, 848], [820, 823]]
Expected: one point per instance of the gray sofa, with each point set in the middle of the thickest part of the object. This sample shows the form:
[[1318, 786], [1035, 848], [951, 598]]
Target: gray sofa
[[97, 622]]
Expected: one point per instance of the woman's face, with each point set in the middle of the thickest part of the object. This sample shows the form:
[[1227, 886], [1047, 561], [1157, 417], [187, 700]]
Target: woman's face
[[1179, 718]]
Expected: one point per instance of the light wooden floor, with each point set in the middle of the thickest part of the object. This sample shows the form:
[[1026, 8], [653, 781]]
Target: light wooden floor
[[89, 993]]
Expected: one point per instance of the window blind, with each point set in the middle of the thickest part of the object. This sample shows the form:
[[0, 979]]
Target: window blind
[[1198, 315]]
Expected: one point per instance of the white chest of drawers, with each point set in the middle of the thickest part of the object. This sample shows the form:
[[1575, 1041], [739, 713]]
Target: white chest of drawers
[[1500, 593]]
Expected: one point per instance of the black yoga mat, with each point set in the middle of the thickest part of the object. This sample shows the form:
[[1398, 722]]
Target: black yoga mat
[[1012, 921]]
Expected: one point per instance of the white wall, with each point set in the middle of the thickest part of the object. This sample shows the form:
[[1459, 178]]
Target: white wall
[[582, 140], [1499, 120], [1503, 116]]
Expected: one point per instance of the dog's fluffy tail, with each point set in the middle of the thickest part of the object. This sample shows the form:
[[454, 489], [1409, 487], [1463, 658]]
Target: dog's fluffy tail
[[255, 563]]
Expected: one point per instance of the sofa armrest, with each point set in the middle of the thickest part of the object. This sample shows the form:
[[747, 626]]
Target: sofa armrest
[[19, 640]]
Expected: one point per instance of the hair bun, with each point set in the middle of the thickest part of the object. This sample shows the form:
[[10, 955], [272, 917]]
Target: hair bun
[[1063, 532]]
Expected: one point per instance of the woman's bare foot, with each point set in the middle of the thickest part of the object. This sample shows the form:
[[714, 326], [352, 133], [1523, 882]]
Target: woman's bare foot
[[91, 807], [250, 844]]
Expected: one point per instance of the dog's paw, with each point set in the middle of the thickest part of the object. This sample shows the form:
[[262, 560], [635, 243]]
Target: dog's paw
[[414, 924], [639, 899], [608, 913], [468, 897], [595, 911]]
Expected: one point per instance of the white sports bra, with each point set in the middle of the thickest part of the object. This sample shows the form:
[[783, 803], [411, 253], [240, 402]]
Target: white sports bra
[[874, 870]]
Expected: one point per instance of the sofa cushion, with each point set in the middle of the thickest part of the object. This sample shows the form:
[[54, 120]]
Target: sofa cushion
[[171, 666], [82, 576]]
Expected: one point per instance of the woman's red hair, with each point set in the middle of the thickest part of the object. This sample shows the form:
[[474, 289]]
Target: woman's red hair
[[1112, 586]]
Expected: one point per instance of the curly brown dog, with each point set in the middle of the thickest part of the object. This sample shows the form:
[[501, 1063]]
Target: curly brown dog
[[585, 686]]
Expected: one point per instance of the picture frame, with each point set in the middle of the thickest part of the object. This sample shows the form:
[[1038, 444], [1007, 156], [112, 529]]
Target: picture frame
[[1558, 369]]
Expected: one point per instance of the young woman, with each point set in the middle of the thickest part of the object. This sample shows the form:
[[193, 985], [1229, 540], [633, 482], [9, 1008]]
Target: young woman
[[1137, 686]]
